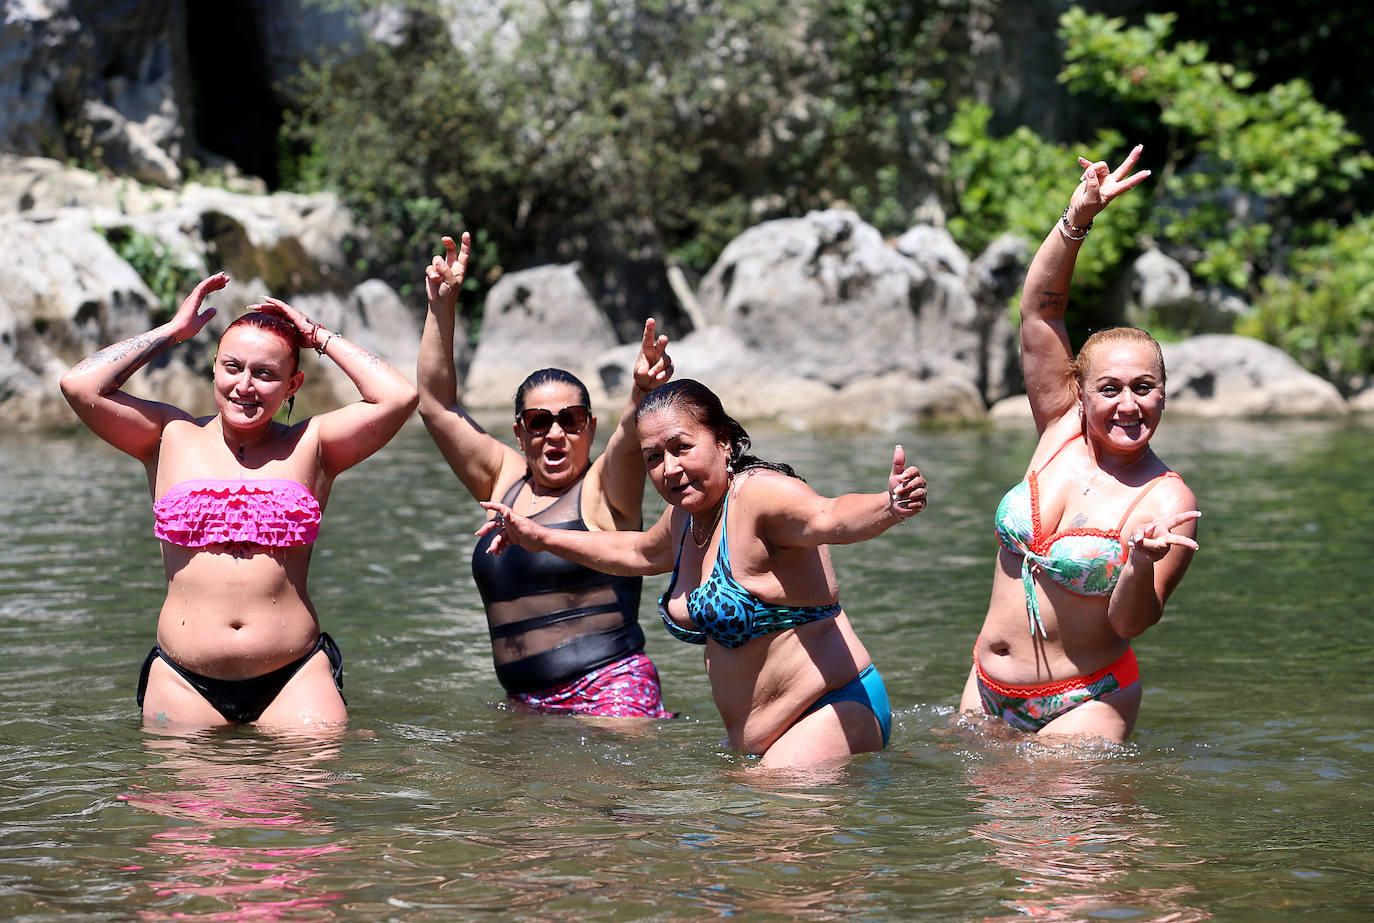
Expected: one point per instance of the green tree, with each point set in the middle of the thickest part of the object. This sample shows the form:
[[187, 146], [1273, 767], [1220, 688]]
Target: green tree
[[1322, 311], [630, 131], [1243, 169]]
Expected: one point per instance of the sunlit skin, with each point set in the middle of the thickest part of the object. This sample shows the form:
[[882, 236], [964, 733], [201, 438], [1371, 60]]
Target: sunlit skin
[[1123, 399], [557, 459], [778, 530], [1090, 485], [241, 610], [254, 375], [541, 468], [613, 483]]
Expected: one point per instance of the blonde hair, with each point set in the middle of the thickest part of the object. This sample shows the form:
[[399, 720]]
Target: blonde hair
[[1079, 366]]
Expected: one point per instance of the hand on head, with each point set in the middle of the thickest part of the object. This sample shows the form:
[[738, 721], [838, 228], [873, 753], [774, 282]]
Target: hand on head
[[306, 327], [445, 274], [1101, 184], [189, 318], [1155, 539], [653, 367], [906, 488]]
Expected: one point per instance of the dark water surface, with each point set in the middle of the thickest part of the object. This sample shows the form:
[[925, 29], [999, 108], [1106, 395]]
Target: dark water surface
[[1246, 793]]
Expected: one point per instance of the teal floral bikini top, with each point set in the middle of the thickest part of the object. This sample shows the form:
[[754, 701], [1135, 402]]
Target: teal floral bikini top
[[1085, 562], [727, 612]]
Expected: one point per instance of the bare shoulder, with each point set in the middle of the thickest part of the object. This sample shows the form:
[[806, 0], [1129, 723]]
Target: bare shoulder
[[1168, 496], [764, 490]]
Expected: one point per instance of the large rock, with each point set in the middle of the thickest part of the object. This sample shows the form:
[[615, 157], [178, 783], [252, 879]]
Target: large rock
[[1157, 291], [1221, 375], [826, 298], [720, 359], [537, 318], [103, 83], [69, 293]]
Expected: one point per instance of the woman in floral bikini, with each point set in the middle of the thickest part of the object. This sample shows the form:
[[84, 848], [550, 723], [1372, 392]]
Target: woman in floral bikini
[[1100, 532]]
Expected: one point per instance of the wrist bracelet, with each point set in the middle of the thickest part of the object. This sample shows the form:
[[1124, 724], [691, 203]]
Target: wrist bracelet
[[892, 506], [320, 349], [1072, 231]]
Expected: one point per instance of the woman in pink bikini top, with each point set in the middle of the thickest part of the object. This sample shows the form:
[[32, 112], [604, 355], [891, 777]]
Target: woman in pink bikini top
[[237, 502], [1099, 532]]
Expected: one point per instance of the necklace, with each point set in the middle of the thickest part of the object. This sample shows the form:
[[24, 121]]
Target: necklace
[[701, 542], [1091, 480], [535, 498]]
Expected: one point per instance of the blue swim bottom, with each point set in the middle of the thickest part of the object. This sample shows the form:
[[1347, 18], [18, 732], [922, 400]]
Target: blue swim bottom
[[868, 690]]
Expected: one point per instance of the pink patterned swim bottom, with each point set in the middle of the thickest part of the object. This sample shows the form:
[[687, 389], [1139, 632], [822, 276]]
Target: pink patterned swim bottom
[[627, 688]]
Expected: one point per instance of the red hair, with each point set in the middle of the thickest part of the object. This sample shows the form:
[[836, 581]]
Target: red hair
[[276, 325]]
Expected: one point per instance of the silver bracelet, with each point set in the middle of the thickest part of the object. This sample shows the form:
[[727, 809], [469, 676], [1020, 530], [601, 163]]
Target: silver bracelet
[[893, 506], [320, 349], [1072, 231]]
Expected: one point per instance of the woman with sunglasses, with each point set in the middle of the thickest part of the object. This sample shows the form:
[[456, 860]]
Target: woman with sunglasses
[[564, 638], [745, 541], [237, 501]]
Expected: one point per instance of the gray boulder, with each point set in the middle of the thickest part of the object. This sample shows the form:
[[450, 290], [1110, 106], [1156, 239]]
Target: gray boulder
[[1157, 291], [825, 298], [1222, 375], [537, 318], [104, 83]]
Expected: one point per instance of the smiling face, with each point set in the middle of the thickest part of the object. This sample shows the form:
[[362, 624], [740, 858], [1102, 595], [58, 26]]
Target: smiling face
[[1123, 396], [556, 458], [685, 461], [254, 375]]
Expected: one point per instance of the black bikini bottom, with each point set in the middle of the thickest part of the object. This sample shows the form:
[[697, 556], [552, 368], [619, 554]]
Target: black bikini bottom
[[244, 700]]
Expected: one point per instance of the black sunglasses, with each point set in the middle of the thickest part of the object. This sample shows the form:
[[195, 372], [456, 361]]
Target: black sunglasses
[[537, 422]]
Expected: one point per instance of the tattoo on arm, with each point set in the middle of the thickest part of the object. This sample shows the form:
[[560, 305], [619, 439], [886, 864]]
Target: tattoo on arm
[[136, 351], [1053, 303]]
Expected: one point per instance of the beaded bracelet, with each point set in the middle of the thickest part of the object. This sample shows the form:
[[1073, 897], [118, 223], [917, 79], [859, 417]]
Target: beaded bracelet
[[1070, 230], [320, 349]]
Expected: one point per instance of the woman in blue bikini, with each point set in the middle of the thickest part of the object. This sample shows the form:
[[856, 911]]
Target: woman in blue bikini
[[237, 503], [746, 543], [1100, 532]]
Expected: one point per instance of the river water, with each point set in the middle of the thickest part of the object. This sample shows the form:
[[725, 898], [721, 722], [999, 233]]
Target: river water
[[1246, 793]]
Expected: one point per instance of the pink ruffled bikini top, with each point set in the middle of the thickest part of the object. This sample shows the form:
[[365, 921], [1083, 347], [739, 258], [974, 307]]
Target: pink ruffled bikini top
[[213, 511]]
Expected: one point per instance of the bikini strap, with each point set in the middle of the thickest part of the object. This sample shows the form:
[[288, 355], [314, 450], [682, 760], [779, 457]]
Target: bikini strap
[[1141, 496], [1051, 459], [723, 551]]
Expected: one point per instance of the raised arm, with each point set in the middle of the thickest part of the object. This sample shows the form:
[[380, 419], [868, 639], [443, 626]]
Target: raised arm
[[93, 386], [473, 454], [619, 473], [625, 553], [1045, 349], [352, 433], [791, 515]]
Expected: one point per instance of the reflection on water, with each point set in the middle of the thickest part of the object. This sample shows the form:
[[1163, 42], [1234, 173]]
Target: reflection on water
[[1245, 792], [201, 867], [1071, 831]]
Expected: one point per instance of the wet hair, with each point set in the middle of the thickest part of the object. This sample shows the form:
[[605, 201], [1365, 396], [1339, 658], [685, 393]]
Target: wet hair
[[702, 404], [276, 325], [543, 377], [1134, 335]]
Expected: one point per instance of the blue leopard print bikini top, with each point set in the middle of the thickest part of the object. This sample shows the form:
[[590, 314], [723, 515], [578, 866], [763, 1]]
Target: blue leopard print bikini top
[[727, 612]]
